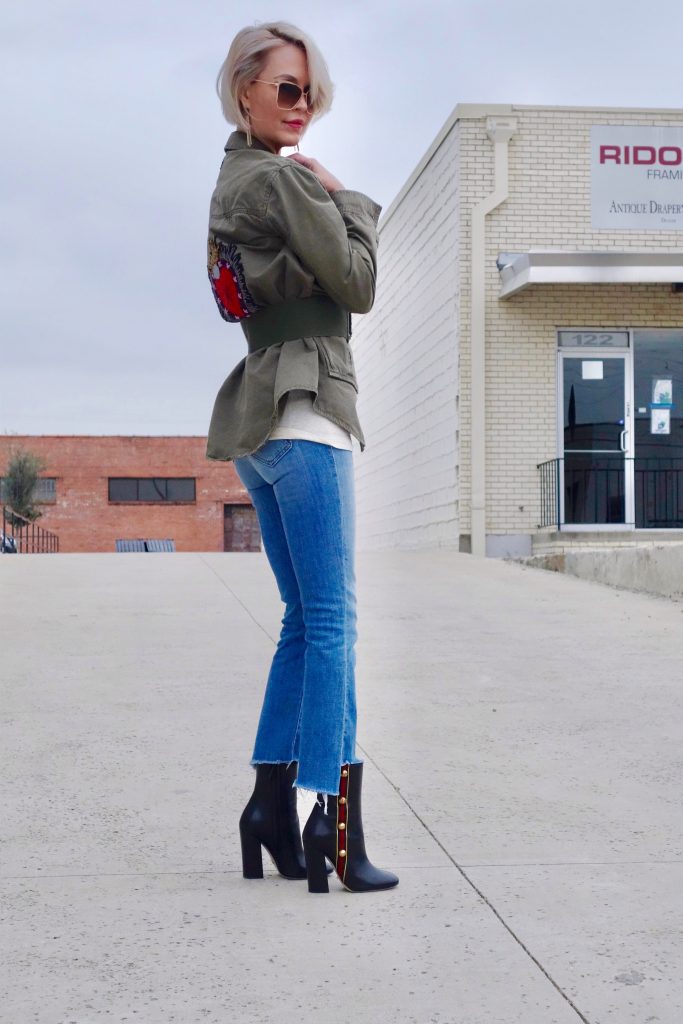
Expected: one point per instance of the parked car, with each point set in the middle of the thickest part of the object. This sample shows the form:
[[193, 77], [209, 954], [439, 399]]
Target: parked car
[[8, 545]]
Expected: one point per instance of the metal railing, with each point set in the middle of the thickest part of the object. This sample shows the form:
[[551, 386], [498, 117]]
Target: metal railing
[[22, 536], [550, 492], [658, 485], [597, 493]]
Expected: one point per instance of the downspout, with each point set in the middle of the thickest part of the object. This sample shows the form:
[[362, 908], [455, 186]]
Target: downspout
[[500, 130]]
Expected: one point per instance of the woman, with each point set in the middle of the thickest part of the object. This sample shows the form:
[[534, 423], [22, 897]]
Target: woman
[[292, 254]]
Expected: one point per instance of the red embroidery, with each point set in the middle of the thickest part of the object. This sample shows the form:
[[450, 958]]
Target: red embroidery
[[227, 291], [228, 282]]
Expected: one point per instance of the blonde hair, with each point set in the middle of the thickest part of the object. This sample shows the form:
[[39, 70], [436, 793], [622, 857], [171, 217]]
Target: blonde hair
[[247, 56]]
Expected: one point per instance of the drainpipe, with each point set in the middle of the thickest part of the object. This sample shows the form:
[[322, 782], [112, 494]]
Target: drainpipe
[[500, 130]]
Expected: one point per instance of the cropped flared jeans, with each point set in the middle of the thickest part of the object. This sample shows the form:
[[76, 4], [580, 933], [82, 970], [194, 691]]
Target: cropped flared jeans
[[303, 493]]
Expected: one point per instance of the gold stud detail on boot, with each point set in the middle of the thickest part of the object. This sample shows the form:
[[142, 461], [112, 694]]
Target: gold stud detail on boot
[[342, 812]]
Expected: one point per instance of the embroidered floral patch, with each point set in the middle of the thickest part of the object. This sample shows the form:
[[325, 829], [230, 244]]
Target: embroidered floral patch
[[228, 283]]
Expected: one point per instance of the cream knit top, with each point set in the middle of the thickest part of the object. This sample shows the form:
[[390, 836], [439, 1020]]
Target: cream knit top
[[300, 420]]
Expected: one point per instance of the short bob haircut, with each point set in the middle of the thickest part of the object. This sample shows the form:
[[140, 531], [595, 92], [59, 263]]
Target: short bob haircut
[[247, 56]]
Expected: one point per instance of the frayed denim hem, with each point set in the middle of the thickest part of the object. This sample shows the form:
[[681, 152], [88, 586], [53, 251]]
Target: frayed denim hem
[[253, 764], [311, 789], [321, 789], [296, 784]]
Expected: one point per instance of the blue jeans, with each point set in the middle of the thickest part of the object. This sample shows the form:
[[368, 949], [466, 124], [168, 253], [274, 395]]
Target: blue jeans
[[303, 493]]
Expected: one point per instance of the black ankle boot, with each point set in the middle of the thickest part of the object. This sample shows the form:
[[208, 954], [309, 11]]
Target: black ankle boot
[[270, 819], [337, 834]]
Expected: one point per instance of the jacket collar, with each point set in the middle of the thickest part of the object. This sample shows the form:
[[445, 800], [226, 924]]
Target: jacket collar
[[238, 140]]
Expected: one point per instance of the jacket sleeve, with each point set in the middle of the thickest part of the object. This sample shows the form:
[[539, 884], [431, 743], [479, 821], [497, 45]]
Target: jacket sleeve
[[333, 235]]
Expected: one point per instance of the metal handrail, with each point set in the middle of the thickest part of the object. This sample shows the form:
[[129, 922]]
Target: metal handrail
[[23, 536], [550, 492], [658, 482]]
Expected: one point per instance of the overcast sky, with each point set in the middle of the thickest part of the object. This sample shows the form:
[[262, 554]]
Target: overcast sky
[[112, 137]]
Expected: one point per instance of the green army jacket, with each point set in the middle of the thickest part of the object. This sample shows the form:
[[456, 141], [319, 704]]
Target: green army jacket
[[290, 262]]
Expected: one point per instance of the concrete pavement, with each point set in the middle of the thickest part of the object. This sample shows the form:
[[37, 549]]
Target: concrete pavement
[[522, 732]]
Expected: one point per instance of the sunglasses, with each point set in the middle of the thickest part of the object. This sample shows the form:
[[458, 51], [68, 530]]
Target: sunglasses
[[288, 94]]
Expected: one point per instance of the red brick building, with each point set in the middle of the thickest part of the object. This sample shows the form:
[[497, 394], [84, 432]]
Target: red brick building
[[97, 490]]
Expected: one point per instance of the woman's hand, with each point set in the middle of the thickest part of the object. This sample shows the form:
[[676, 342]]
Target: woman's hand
[[327, 180]]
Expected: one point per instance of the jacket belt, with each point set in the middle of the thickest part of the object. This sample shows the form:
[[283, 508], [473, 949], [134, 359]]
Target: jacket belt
[[296, 318]]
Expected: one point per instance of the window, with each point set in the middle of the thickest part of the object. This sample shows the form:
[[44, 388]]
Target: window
[[45, 489], [124, 544], [155, 488]]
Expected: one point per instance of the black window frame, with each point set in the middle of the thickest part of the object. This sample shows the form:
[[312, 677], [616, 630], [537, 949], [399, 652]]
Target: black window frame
[[160, 483]]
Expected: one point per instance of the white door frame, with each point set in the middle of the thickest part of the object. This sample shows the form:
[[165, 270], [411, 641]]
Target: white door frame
[[628, 440]]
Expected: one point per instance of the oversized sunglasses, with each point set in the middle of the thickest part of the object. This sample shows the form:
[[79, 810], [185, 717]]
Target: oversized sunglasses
[[288, 94]]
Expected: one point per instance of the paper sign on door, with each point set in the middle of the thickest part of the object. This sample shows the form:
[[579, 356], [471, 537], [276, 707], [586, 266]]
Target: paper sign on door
[[591, 369]]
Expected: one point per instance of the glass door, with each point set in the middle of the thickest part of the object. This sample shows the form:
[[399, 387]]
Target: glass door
[[596, 482]]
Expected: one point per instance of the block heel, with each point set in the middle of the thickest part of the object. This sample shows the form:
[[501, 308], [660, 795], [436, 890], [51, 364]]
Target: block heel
[[252, 857], [316, 869], [270, 820]]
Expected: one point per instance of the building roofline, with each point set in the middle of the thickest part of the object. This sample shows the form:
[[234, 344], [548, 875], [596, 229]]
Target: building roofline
[[476, 111], [459, 112], [127, 437]]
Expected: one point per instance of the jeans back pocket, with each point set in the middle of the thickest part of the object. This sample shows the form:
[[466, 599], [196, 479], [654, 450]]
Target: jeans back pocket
[[271, 451]]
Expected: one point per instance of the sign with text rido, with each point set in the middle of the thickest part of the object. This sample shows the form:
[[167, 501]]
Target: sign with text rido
[[637, 177]]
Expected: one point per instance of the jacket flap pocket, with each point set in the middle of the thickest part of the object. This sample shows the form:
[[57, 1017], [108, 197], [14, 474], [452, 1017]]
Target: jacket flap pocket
[[338, 359]]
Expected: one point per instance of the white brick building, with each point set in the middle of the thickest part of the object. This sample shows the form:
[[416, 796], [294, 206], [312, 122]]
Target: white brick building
[[465, 392]]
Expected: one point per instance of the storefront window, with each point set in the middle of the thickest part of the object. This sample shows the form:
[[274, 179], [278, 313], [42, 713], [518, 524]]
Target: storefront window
[[658, 424]]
